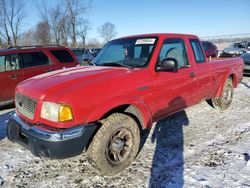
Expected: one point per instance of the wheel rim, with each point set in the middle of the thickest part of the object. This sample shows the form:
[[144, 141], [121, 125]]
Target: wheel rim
[[119, 146], [227, 95]]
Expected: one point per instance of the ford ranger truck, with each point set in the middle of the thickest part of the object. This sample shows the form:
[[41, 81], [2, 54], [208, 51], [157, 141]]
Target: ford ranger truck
[[101, 109]]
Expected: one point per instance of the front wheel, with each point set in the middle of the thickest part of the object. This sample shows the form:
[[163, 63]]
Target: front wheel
[[115, 145], [224, 101]]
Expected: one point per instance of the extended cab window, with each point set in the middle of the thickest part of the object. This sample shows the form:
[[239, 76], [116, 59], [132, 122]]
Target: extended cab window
[[9, 62], [197, 50], [32, 59], [174, 48], [62, 56]]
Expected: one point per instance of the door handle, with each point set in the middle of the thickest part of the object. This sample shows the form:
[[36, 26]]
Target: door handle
[[13, 76], [192, 74]]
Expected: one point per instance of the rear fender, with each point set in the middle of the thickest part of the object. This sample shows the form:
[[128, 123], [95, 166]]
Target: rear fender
[[235, 83]]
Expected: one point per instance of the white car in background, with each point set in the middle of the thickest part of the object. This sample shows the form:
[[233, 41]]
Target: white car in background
[[246, 59], [236, 49]]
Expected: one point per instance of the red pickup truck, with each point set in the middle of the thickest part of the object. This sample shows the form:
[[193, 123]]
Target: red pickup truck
[[136, 80]]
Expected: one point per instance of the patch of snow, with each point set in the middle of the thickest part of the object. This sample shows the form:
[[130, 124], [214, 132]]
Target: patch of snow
[[199, 147]]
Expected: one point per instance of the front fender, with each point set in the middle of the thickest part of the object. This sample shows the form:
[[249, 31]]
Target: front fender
[[107, 106]]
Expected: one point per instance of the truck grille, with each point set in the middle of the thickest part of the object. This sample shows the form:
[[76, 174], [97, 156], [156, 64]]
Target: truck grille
[[25, 105]]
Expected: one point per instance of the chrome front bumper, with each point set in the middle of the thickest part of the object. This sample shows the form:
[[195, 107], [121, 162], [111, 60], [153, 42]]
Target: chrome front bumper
[[57, 143]]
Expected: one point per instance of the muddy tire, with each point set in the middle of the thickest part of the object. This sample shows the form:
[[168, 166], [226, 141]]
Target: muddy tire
[[115, 145], [226, 98]]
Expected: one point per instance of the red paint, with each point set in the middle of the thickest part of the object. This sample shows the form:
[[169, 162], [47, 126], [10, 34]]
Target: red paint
[[94, 91], [9, 79]]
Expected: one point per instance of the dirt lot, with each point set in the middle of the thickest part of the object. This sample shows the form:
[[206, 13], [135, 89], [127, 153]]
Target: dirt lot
[[199, 147]]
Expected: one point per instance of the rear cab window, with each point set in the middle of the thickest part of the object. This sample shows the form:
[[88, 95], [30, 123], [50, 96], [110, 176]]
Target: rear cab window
[[62, 56], [197, 51]]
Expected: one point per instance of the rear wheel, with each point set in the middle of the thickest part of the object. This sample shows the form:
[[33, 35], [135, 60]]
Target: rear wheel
[[224, 101], [115, 145]]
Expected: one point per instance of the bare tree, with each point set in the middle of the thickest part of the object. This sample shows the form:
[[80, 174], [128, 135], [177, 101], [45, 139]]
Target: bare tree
[[76, 9], [43, 9], [28, 38], [65, 20], [107, 31], [42, 33], [84, 27], [11, 17], [55, 18], [1, 43], [94, 43], [64, 31], [57, 21], [5, 33]]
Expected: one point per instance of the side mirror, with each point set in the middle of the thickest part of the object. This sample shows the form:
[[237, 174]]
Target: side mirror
[[168, 64]]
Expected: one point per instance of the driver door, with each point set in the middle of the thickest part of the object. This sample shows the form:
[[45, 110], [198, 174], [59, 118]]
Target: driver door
[[173, 91]]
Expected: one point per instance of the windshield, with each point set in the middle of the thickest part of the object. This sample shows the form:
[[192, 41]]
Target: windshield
[[240, 45], [127, 52]]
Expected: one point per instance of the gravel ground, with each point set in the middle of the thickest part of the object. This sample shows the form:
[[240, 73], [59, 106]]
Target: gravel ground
[[198, 147]]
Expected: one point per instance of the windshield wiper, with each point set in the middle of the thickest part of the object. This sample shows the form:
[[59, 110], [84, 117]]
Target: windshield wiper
[[120, 64]]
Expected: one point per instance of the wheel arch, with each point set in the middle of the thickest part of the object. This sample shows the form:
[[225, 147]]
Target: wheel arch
[[234, 80], [135, 108]]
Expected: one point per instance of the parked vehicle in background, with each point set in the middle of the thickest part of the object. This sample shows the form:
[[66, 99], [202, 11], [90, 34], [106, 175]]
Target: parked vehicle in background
[[22, 62], [82, 54], [137, 80], [236, 49], [209, 48], [95, 51], [78, 53], [246, 59]]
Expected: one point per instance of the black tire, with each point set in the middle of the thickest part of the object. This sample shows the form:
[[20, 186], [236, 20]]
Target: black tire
[[115, 145], [226, 98]]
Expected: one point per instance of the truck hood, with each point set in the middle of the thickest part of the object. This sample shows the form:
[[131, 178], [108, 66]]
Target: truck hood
[[65, 79]]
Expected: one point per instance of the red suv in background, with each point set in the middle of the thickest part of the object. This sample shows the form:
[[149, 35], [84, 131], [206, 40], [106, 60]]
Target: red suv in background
[[20, 63], [209, 48]]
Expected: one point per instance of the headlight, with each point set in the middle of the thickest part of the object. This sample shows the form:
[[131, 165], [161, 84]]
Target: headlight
[[56, 112]]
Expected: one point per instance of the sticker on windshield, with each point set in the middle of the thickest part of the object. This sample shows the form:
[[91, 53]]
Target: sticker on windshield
[[145, 41]]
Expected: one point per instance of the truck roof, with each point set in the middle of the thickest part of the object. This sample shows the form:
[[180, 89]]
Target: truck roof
[[164, 35], [19, 49]]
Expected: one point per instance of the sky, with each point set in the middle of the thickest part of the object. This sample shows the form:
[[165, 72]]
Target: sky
[[200, 17]]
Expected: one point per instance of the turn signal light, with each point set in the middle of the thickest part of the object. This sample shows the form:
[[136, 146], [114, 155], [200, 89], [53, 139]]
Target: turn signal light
[[65, 113]]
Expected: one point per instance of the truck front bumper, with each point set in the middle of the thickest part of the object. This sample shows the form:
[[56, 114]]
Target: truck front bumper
[[42, 142]]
